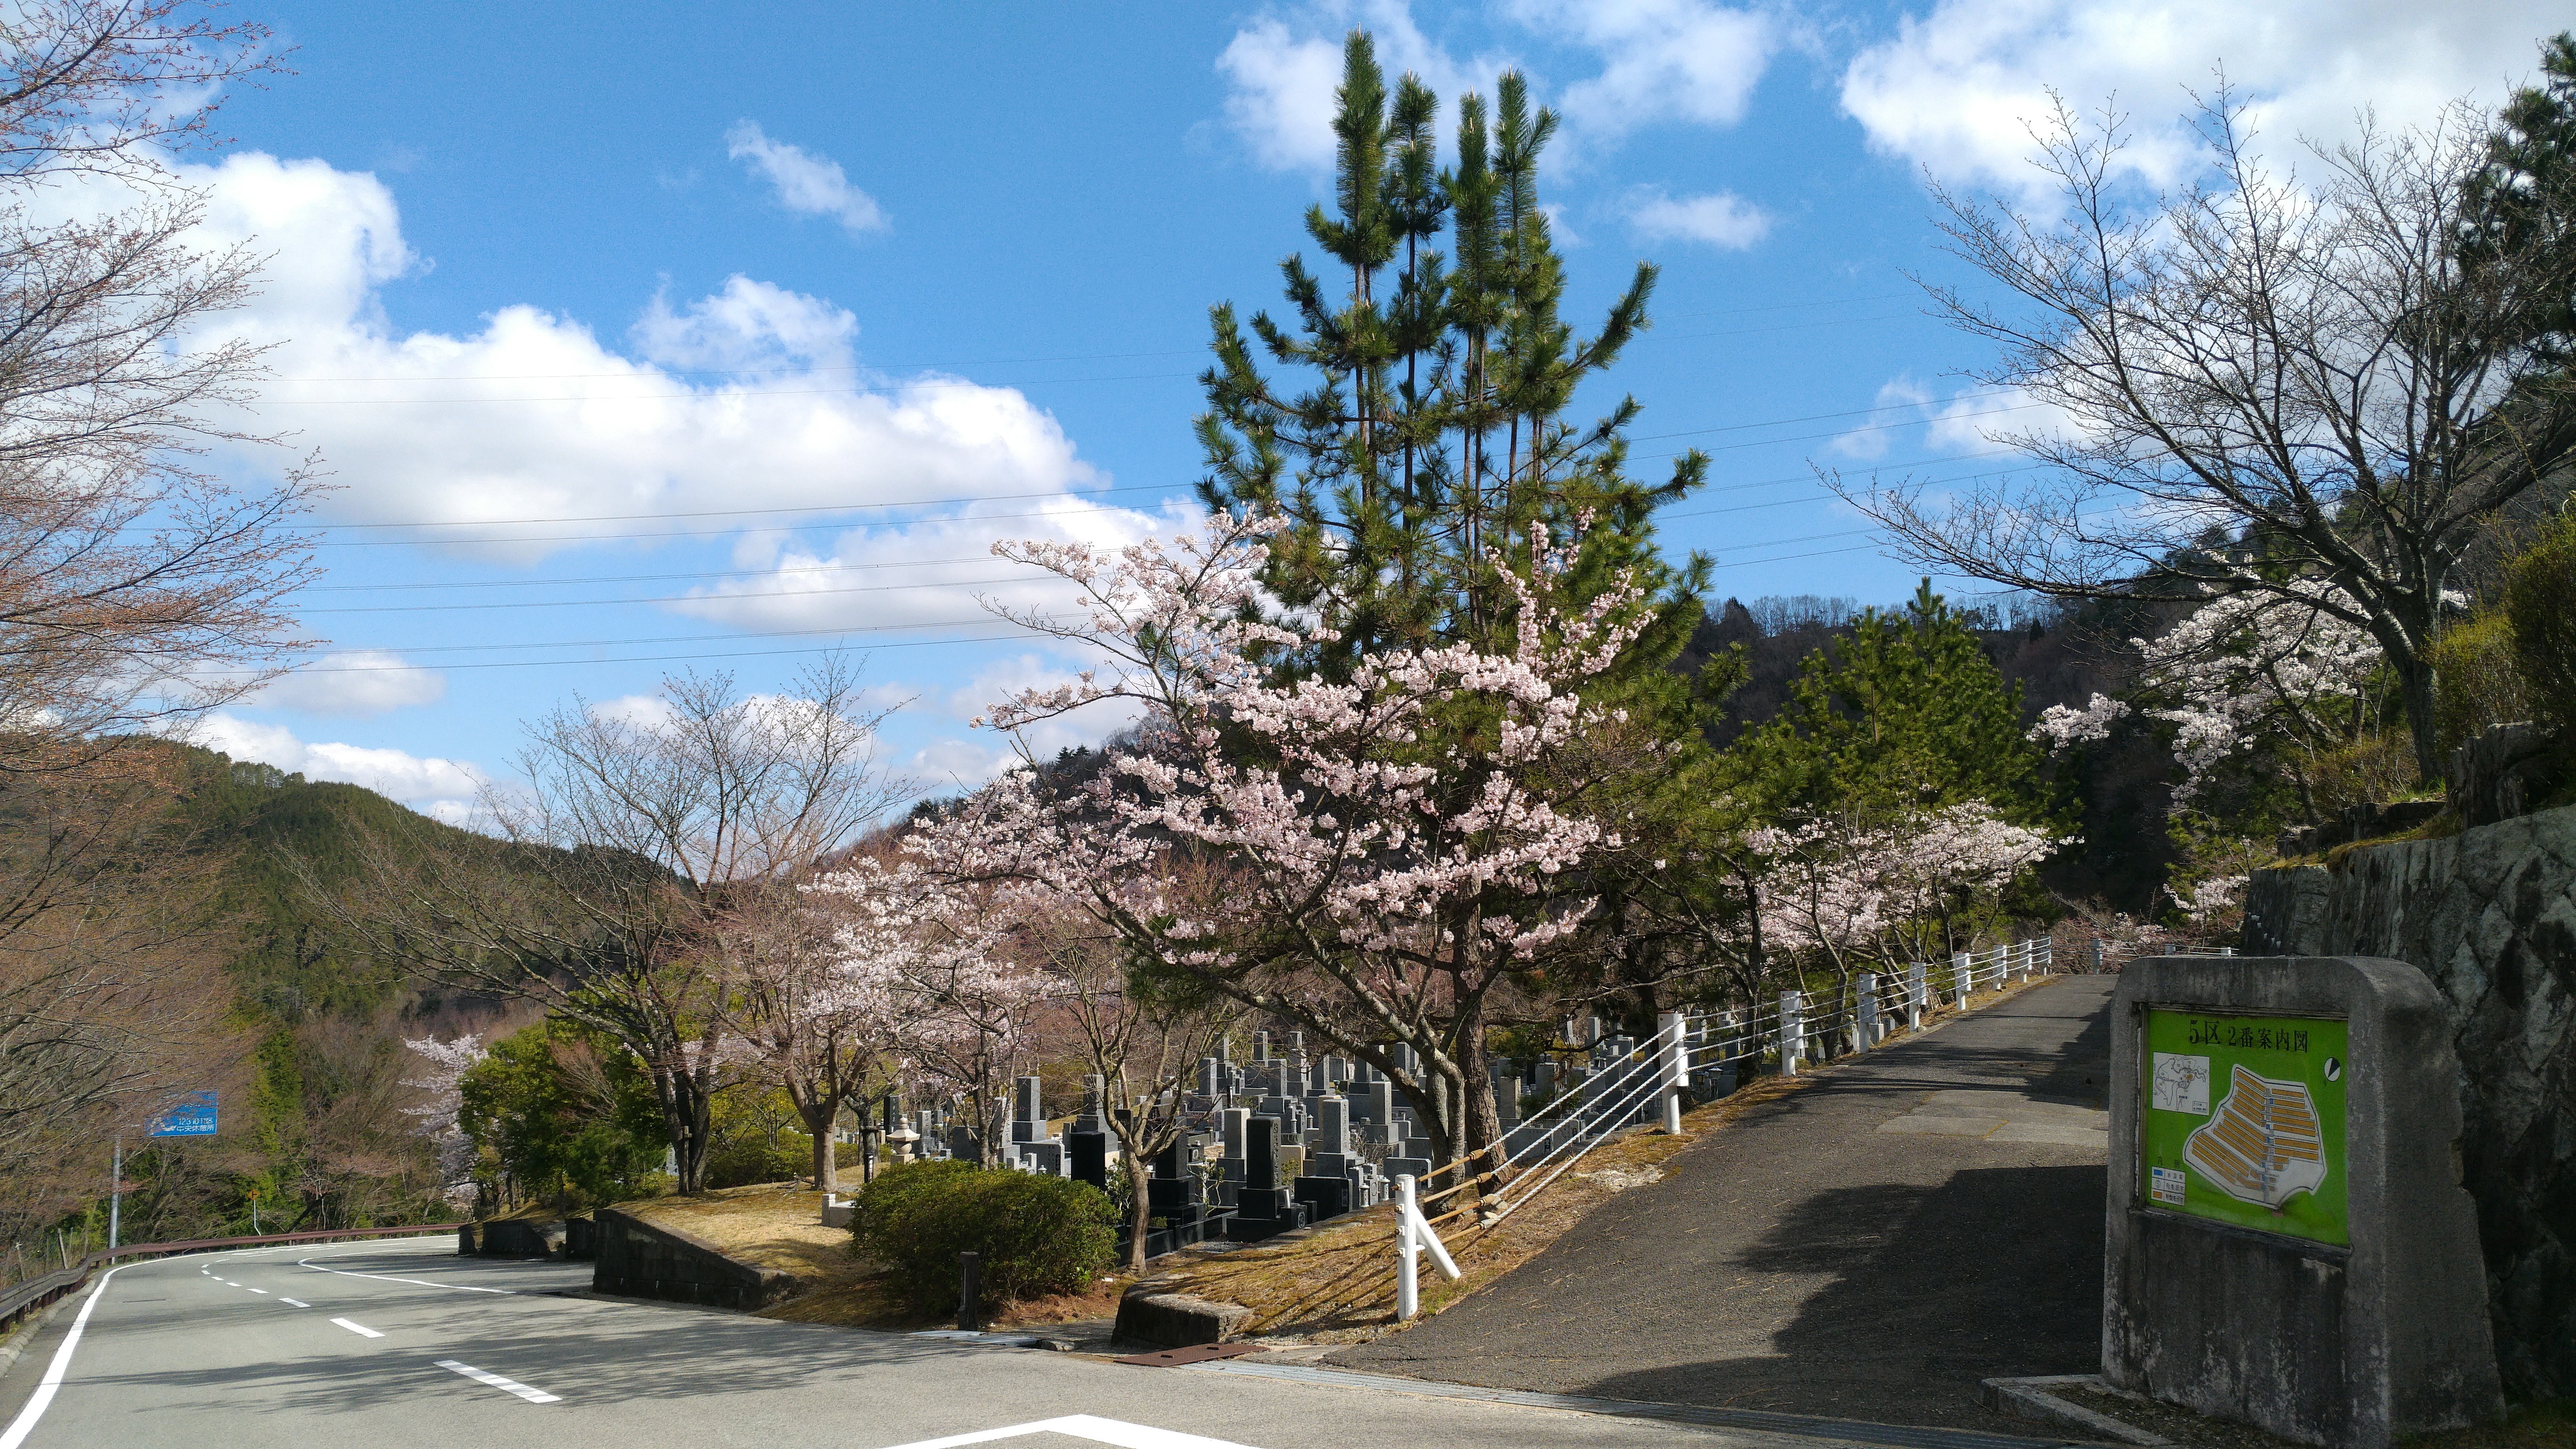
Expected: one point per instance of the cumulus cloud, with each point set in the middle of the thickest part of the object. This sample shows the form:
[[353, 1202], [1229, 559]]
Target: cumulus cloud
[[1720, 219], [1661, 60], [1678, 61], [1955, 89], [354, 682], [533, 417], [1281, 73], [930, 572], [806, 183], [445, 789]]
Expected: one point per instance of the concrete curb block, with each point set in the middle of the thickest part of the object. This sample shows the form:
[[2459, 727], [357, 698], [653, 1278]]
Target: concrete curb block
[[1177, 1320], [2030, 1399]]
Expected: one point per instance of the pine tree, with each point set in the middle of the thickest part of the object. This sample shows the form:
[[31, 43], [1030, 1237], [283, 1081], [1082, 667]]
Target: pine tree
[[1434, 449]]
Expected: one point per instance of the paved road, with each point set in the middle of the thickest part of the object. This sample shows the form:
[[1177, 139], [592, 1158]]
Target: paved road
[[391, 1345], [1869, 1247]]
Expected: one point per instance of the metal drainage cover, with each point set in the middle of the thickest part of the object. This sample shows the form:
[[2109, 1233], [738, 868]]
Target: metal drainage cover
[[1195, 1353]]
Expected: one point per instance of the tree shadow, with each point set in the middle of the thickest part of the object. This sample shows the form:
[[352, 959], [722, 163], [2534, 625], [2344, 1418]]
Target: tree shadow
[[1997, 1272]]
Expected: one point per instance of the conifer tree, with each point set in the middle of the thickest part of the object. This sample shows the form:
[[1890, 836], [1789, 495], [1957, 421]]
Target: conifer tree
[[1435, 440]]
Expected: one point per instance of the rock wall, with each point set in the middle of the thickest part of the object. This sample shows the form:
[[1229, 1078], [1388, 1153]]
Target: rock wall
[[2490, 916], [638, 1259]]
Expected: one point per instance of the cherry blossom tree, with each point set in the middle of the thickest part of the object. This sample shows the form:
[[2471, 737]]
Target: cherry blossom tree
[[436, 1118], [1852, 893], [2242, 672], [818, 1018], [959, 1008], [1402, 844]]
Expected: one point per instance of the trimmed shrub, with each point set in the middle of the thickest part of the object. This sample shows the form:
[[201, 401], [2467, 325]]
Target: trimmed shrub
[[1037, 1234], [2540, 599], [2476, 682], [746, 1160]]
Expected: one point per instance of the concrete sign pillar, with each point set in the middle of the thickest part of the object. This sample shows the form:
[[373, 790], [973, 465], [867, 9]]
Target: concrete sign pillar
[[2287, 1242]]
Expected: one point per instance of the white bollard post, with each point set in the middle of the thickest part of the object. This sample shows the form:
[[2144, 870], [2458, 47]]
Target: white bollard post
[[1408, 1267], [1793, 1034], [1918, 990], [1677, 1074], [1963, 976], [1865, 1011]]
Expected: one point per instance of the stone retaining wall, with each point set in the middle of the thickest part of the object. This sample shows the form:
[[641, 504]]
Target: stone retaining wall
[[638, 1259], [2490, 916]]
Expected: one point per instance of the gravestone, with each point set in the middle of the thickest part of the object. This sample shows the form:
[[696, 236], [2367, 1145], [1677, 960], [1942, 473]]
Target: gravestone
[[1026, 1124], [2288, 1244], [1089, 1152]]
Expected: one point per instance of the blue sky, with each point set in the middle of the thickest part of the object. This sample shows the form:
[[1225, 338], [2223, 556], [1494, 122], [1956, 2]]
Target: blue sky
[[647, 337]]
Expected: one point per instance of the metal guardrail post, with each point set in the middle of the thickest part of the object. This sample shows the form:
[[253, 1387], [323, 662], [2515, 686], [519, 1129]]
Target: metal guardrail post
[[1408, 1253], [1918, 987], [1963, 977], [1793, 1033], [1676, 1070]]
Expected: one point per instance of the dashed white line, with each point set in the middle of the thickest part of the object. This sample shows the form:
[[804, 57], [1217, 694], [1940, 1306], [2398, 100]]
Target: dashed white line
[[260, 1291], [385, 1278], [358, 1328], [482, 1376], [295, 1302]]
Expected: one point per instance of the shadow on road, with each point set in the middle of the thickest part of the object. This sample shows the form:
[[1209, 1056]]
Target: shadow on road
[[1933, 1289]]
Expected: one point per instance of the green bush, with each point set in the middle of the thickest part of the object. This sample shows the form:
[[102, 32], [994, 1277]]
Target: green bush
[[2540, 600], [1037, 1234], [747, 1160], [2476, 681]]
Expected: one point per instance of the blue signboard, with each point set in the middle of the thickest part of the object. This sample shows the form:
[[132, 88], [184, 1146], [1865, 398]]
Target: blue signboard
[[192, 1116]]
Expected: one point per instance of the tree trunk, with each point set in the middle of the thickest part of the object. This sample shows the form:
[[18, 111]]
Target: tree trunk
[[2415, 684], [1140, 1204], [819, 1116]]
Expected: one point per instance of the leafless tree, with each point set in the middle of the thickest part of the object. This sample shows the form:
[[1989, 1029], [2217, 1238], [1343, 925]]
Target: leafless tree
[[642, 831], [2262, 380]]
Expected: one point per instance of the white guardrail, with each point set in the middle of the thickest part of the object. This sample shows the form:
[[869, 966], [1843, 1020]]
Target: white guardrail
[[1651, 1078]]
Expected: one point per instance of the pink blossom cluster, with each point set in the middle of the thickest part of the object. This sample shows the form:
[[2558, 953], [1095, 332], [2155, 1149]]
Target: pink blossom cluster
[[435, 1119], [2246, 667], [1843, 889], [1410, 821]]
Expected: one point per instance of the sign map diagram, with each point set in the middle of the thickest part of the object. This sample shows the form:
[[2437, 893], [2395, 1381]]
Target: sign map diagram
[[2263, 1144]]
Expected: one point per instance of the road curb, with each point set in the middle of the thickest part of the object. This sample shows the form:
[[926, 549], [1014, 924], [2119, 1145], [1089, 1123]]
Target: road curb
[[2031, 1399]]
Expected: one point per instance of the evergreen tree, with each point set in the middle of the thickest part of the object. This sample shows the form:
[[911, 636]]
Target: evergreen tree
[[1434, 447], [1906, 713]]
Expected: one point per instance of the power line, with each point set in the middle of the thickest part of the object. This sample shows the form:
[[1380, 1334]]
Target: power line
[[855, 367]]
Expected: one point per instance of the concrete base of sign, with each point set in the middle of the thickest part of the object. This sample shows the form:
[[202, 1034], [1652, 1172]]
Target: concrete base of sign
[[2354, 1346]]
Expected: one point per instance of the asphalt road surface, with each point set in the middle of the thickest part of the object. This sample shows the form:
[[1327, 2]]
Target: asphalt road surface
[[1916, 1219], [379, 1345]]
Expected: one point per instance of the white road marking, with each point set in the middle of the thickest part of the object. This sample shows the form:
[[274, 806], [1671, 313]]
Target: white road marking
[[420, 1282], [296, 1302], [260, 1291], [25, 1423], [358, 1328], [1084, 1426], [481, 1376]]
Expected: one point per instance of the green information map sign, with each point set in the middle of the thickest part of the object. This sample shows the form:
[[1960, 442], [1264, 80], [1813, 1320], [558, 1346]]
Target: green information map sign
[[2243, 1121]]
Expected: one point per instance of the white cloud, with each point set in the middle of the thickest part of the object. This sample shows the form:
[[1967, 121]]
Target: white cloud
[[807, 183], [1662, 60], [446, 789], [532, 417], [1897, 397], [354, 682], [1954, 90], [1281, 75], [1721, 219], [748, 327], [932, 571]]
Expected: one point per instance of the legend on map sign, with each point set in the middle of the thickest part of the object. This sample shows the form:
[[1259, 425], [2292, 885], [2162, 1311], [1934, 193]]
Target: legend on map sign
[[2243, 1121]]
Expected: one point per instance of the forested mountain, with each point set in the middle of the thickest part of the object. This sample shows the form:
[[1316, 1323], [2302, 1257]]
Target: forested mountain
[[301, 1034]]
